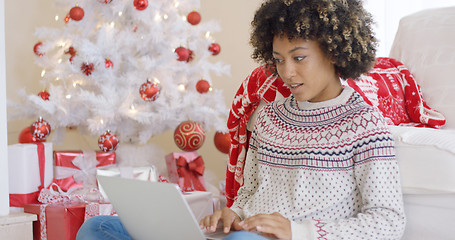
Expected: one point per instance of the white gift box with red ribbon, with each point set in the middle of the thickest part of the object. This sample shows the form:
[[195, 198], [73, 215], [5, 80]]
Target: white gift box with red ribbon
[[30, 169]]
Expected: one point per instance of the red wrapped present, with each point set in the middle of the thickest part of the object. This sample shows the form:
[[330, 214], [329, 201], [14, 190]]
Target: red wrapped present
[[59, 221], [30, 169], [78, 168], [187, 170], [95, 209]]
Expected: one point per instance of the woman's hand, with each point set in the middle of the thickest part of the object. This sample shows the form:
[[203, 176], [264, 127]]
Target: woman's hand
[[229, 218], [269, 224]]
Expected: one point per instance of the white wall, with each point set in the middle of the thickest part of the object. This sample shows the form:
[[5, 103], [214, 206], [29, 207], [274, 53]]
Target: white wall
[[4, 197], [387, 14]]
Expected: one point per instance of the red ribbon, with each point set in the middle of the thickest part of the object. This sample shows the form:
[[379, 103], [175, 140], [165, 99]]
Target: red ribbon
[[42, 162], [190, 172], [18, 200]]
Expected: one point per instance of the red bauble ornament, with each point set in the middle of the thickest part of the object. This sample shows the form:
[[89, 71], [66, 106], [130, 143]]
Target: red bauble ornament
[[189, 136], [40, 129], [140, 4], [150, 91], [202, 86], [76, 13], [108, 63], [87, 68], [183, 54], [44, 95], [193, 18], [215, 48], [222, 142], [108, 142], [26, 136], [36, 49]]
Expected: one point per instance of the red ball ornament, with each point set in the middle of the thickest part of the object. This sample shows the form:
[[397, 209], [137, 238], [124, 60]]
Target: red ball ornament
[[76, 13], [87, 68], [140, 4], [215, 48], [189, 136], [108, 63], [36, 49], [40, 129], [44, 95], [222, 142], [193, 18], [26, 136], [183, 54], [202, 86], [108, 142], [150, 91]]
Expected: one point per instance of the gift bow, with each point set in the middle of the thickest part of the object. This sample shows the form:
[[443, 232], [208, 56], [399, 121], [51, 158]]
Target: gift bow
[[190, 173], [54, 194], [86, 174], [49, 195]]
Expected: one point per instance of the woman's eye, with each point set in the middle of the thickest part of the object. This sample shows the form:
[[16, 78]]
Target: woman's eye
[[300, 58], [276, 60]]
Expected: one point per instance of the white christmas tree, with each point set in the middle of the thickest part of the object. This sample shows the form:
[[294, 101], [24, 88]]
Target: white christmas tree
[[134, 67]]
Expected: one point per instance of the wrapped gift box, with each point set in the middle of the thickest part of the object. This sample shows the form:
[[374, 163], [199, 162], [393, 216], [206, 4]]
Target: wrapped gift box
[[59, 221], [96, 209], [146, 173], [30, 168], [187, 170], [78, 168], [201, 203]]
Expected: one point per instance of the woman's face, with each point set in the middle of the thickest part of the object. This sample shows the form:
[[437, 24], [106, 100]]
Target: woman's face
[[305, 69]]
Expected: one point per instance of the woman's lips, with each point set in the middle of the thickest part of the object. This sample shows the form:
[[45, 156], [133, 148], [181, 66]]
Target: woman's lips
[[293, 86]]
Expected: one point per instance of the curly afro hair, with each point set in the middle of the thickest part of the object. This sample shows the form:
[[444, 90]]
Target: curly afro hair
[[341, 27]]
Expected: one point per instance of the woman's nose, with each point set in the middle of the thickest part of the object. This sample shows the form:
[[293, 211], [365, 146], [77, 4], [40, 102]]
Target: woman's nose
[[287, 71]]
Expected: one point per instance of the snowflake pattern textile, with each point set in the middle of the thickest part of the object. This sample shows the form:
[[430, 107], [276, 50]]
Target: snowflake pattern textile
[[392, 89]]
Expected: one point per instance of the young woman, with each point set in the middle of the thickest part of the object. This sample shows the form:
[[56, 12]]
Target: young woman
[[320, 163]]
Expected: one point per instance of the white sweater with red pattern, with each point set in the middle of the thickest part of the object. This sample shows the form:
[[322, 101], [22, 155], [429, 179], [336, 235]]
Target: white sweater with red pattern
[[329, 167]]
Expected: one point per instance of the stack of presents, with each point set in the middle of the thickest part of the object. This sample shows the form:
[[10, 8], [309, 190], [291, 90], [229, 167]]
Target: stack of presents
[[61, 186]]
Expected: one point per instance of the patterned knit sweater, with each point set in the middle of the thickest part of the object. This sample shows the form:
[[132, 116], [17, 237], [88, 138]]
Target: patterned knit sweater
[[329, 167]]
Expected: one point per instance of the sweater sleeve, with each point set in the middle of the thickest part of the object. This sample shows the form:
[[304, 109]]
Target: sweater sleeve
[[250, 182], [377, 178]]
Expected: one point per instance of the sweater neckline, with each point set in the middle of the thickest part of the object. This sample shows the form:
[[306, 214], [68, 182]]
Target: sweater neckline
[[341, 99]]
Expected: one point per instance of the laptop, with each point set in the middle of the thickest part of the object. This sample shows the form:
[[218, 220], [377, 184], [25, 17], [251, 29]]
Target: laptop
[[153, 210]]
